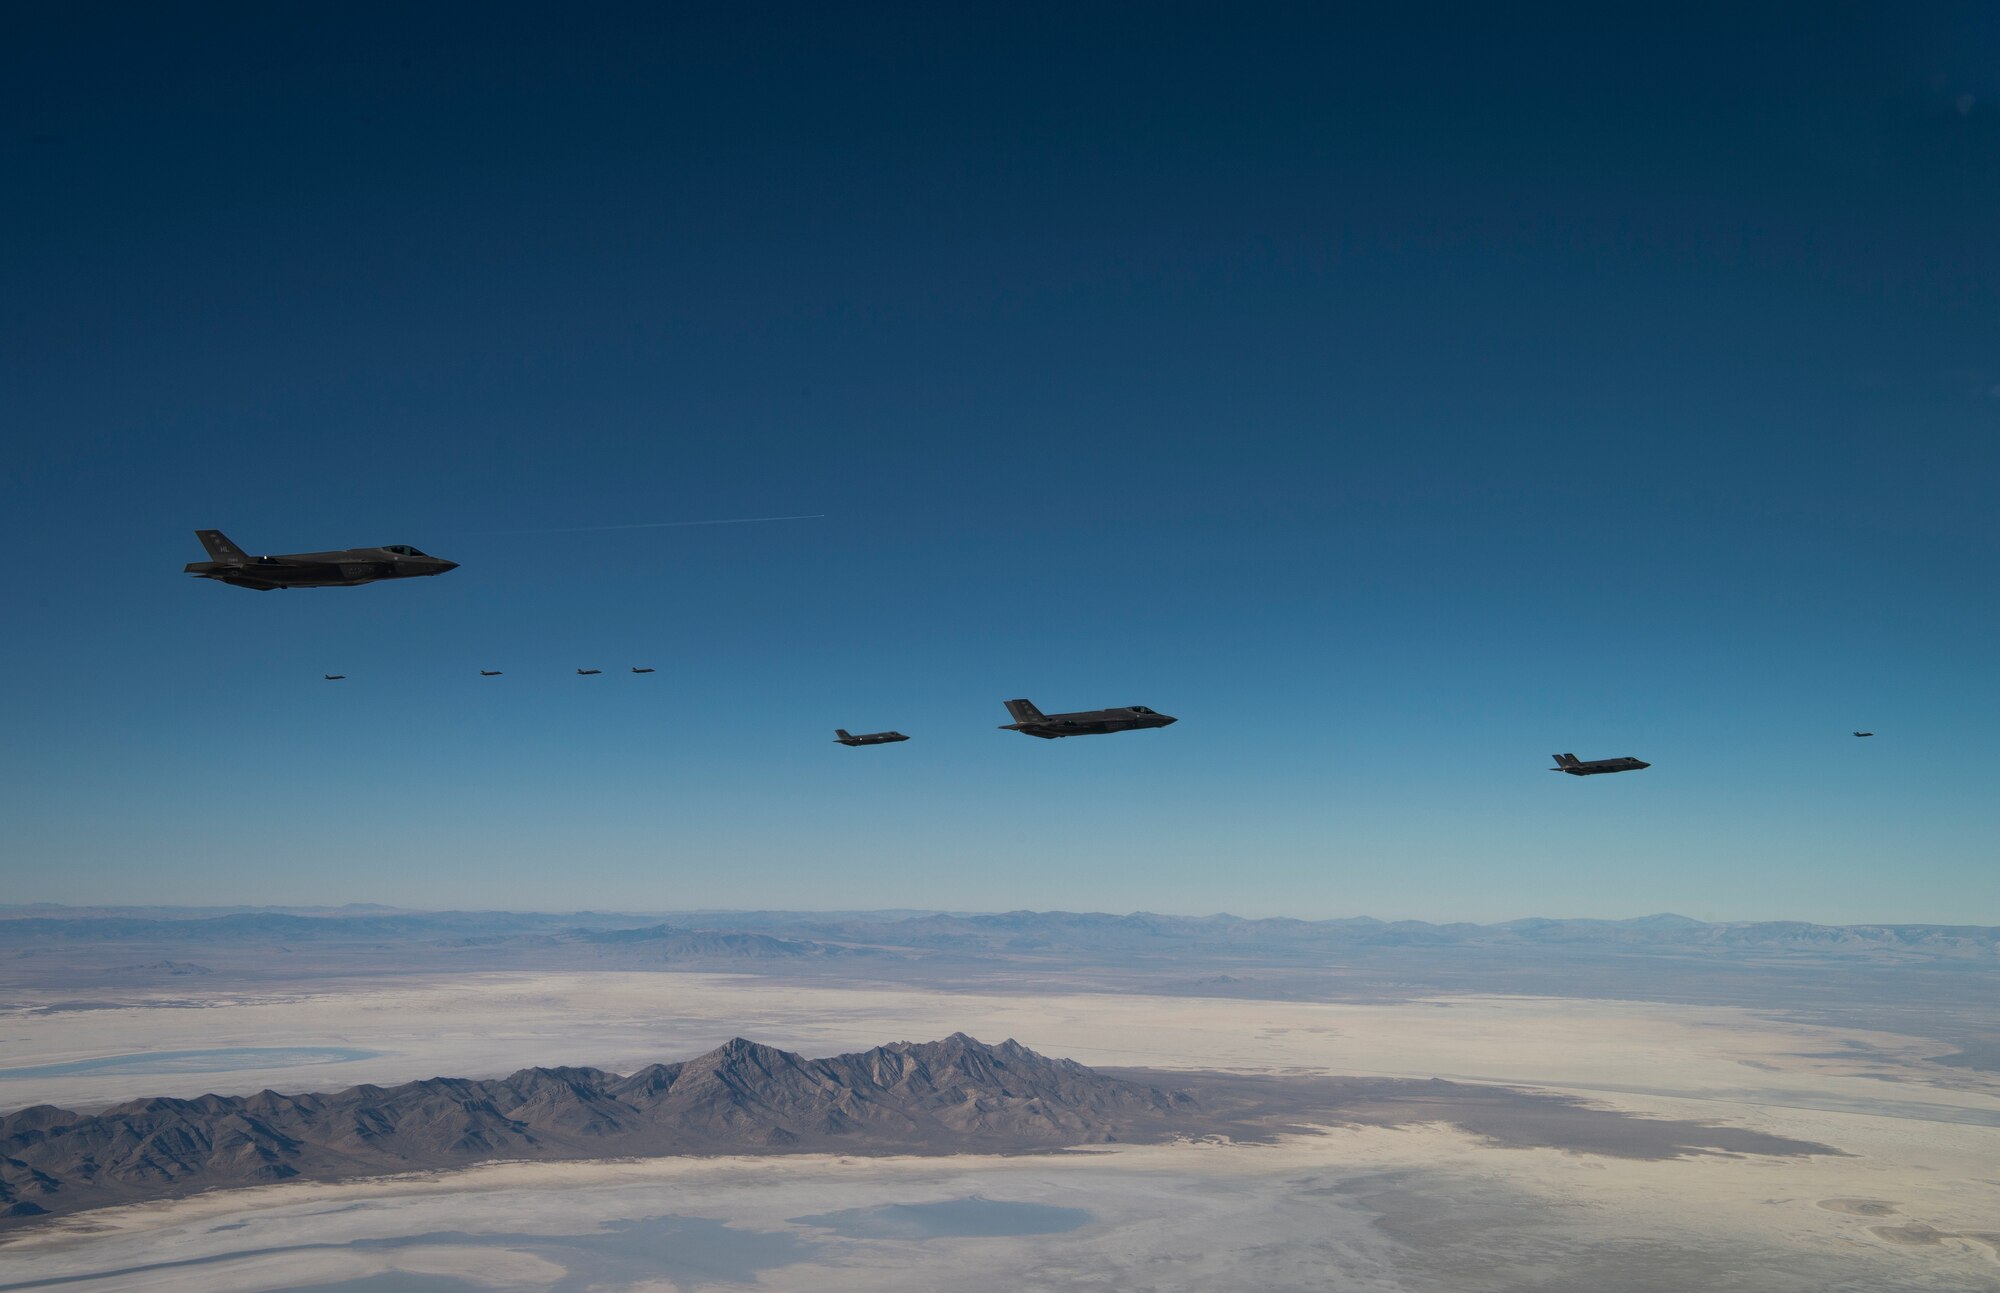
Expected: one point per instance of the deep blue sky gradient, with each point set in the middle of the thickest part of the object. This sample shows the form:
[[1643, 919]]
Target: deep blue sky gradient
[[1396, 400]]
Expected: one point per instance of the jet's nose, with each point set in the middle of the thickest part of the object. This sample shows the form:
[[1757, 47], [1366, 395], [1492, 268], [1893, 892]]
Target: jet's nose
[[444, 567], [1168, 720]]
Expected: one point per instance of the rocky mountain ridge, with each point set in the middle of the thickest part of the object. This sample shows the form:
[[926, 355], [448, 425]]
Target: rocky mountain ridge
[[956, 1095]]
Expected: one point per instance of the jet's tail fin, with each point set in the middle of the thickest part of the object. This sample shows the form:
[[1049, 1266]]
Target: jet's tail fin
[[1024, 711], [220, 548], [1564, 760], [841, 732]]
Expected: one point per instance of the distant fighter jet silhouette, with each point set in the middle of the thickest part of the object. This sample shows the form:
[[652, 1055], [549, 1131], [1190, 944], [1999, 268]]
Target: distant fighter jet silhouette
[[1592, 767], [334, 677], [1030, 721], [844, 737], [1864, 733], [341, 569], [489, 673], [636, 669], [585, 673]]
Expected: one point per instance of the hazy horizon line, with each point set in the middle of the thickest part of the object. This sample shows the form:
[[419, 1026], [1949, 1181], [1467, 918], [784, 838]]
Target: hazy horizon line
[[14, 910]]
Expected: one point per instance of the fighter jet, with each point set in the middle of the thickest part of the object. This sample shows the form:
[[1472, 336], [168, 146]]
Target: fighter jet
[[844, 737], [1864, 733], [585, 673], [340, 569], [334, 677], [637, 669], [1030, 721], [1591, 767], [489, 673]]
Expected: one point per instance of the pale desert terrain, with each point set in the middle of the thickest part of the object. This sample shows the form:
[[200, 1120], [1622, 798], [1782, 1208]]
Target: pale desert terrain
[[1913, 1201]]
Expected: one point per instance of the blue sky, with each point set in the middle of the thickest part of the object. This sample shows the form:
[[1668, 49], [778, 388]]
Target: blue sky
[[1394, 400]]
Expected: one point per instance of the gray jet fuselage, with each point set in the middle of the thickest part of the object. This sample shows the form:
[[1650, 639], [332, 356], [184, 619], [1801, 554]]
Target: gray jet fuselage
[[1593, 767], [342, 569], [842, 736], [1030, 721]]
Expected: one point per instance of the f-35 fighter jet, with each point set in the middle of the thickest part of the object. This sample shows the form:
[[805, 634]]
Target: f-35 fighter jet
[[845, 737], [490, 673], [1864, 733], [637, 669], [334, 677], [342, 569], [1030, 721], [588, 673], [1591, 767]]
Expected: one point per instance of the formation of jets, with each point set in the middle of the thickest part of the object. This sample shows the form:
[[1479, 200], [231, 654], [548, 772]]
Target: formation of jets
[[495, 673], [351, 566]]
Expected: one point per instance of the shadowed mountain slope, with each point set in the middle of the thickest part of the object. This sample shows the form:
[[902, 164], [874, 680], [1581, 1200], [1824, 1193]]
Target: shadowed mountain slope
[[956, 1095]]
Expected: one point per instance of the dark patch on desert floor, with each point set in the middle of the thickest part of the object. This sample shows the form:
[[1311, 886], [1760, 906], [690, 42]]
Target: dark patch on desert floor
[[1254, 1107], [1860, 1207], [78, 1007], [1917, 1234], [1980, 1057], [1913, 1233]]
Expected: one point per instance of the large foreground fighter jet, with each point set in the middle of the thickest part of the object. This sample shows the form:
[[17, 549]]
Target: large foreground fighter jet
[[1030, 721], [845, 737], [1591, 767], [340, 569]]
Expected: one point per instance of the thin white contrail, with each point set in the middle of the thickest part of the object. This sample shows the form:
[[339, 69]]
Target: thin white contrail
[[663, 525]]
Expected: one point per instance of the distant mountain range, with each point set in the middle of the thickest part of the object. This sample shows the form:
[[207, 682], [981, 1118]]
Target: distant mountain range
[[56, 959], [958, 1095], [723, 936]]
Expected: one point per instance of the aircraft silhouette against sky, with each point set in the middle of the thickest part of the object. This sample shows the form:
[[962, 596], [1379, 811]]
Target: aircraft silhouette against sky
[[351, 566], [340, 569], [1592, 767], [1030, 721], [844, 737]]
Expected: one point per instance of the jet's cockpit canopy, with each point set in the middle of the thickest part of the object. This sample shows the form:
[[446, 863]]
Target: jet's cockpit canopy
[[1139, 709], [403, 550]]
